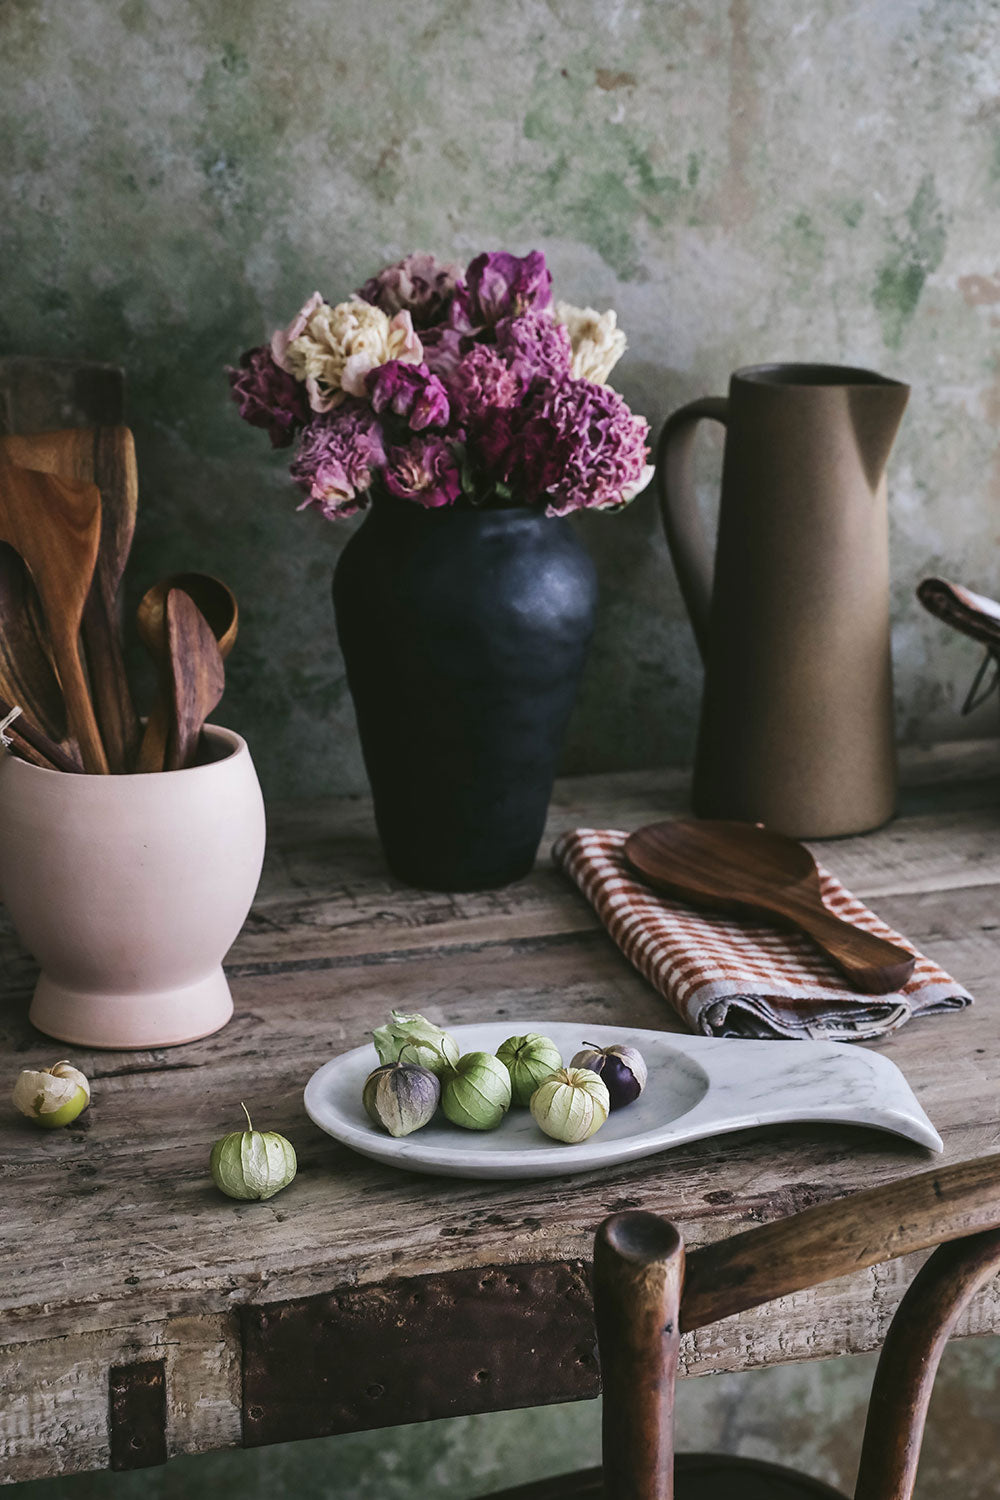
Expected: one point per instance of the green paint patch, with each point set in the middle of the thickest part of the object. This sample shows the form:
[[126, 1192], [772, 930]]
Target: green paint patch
[[914, 254], [235, 62], [611, 185], [853, 212]]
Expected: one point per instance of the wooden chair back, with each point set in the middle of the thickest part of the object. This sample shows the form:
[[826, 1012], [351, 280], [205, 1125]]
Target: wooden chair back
[[647, 1294]]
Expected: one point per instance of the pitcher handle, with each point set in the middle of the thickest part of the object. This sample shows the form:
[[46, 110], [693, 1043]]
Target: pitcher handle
[[691, 551]]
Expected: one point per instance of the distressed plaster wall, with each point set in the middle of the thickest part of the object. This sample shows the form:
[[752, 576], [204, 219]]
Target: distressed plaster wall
[[742, 181]]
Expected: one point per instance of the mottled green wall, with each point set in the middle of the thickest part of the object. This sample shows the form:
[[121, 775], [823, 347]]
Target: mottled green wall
[[742, 181]]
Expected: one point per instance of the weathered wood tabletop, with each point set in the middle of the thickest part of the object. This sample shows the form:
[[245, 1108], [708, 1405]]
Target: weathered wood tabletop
[[139, 1309]]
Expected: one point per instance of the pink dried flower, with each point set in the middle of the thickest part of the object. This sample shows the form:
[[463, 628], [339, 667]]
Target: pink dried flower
[[268, 397], [533, 345], [411, 391], [418, 284], [574, 446], [483, 379], [337, 460], [443, 350], [498, 285], [424, 471]]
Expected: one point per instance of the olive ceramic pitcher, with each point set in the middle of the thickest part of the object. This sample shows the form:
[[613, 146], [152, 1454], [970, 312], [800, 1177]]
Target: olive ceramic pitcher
[[793, 619]]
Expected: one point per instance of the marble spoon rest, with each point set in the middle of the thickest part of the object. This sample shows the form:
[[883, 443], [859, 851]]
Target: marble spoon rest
[[698, 1087]]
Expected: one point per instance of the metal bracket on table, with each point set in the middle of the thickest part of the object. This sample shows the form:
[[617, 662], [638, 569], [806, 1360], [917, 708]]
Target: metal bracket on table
[[138, 1414], [425, 1346]]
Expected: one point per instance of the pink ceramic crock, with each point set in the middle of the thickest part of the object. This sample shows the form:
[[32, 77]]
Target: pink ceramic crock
[[129, 890]]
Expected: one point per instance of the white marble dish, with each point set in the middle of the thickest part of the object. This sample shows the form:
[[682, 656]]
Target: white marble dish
[[698, 1086]]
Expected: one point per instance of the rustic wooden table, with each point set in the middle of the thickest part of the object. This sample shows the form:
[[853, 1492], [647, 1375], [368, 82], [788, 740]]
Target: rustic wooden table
[[143, 1315]]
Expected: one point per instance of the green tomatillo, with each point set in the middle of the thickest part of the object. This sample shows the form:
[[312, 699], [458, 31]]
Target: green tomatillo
[[571, 1105], [401, 1097], [529, 1060], [412, 1039], [477, 1094], [52, 1096], [252, 1164]]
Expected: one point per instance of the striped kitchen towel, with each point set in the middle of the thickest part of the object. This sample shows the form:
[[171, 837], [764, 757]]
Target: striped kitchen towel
[[739, 977]]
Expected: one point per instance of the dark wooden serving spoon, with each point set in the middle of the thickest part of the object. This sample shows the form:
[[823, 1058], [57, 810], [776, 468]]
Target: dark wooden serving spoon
[[737, 867]]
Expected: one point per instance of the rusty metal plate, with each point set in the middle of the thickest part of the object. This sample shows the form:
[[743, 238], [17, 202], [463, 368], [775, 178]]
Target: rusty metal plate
[[417, 1348], [138, 1414]]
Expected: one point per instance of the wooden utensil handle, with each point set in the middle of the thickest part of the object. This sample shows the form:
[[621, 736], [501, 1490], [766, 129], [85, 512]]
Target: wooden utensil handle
[[79, 709], [871, 963]]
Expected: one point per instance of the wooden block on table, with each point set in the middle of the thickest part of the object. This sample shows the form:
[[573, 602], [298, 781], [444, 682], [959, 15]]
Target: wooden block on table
[[40, 395]]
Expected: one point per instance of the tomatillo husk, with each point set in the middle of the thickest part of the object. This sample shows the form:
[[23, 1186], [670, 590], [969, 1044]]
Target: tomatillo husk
[[52, 1096], [571, 1105], [413, 1039], [477, 1095], [529, 1060], [401, 1097], [252, 1164]]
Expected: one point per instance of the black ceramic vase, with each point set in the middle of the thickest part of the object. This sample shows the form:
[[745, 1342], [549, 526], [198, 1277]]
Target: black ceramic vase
[[464, 633]]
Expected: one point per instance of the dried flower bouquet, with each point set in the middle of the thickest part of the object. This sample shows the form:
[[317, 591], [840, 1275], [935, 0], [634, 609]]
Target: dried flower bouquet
[[445, 387]]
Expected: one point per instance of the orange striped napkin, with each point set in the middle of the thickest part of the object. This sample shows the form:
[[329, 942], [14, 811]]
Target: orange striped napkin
[[728, 977]]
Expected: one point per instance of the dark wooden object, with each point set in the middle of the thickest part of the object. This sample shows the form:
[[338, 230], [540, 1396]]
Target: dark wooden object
[[137, 1425], [104, 456], [197, 677], [27, 676], [638, 1299], [424, 1346], [39, 395], [218, 605], [905, 1376], [638, 1275], [55, 525], [36, 746], [737, 867]]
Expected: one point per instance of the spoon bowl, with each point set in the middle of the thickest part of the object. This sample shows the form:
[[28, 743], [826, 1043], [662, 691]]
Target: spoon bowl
[[217, 604], [743, 869]]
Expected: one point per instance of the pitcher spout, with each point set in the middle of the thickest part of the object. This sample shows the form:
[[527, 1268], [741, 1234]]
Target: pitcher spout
[[876, 411]]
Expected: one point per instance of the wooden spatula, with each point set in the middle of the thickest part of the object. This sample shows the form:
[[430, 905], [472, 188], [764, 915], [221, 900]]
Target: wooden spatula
[[197, 677], [55, 524], [104, 456], [737, 867]]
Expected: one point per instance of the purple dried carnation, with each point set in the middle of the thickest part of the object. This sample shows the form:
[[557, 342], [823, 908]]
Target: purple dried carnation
[[418, 284], [443, 351], [411, 391], [268, 396], [481, 380], [498, 285], [424, 471], [337, 459], [534, 345], [574, 446]]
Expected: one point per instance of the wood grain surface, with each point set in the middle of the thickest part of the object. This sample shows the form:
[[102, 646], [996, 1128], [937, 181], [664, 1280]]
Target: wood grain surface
[[118, 1249]]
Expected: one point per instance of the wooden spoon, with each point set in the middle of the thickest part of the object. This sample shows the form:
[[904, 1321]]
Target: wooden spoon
[[104, 456], [737, 867], [55, 525], [197, 676], [27, 676], [33, 745], [217, 604]]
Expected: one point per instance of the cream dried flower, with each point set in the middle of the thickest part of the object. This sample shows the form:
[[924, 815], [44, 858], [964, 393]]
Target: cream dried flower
[[598, 343], [332, 349]]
